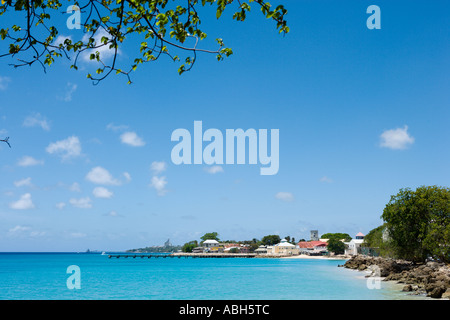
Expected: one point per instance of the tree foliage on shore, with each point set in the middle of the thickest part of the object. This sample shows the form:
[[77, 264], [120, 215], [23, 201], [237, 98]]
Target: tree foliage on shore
[[189, 246], [336, 246], [210, 236], [270, 240], [154, 28], [418, 223], [337, 236], [374, 239]]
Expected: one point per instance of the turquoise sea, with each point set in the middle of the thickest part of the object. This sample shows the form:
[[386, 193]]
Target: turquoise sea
[[44, 276]]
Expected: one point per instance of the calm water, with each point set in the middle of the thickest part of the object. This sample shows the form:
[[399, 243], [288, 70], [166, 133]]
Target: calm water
[[43, 276]]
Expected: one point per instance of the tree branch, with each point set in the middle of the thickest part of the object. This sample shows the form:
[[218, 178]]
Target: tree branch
[[7, 141]]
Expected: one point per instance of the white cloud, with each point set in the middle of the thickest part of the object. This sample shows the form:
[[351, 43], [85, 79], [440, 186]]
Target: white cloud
[[23, 231], [132, 139], [214, 169], [100, 192], [127, 176], [18, 229], [28, 161], [68, 148], [285, 196], [77, 235], [326, 179], [37, 233], [75, 187], [4, 83], [25, 202], [396, 139], [159, 183], [113, 127], [83, 203], [112, 214], [36, 120], [70, 90], [158, 166], [23, 183], [60, 205], [99, 175]]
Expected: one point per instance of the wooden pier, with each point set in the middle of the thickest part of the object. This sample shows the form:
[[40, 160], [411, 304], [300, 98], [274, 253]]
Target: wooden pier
[[182, 255]]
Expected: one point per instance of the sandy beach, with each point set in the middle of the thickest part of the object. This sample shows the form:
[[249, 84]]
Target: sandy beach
[[304, 256]]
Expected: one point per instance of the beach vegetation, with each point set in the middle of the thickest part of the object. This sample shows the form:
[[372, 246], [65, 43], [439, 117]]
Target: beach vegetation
[[336, 246], [337, 236], [270, 240], [210, 236], [189, 246], [418, 223]]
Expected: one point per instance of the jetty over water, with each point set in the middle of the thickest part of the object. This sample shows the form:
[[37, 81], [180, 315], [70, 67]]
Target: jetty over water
[[181, 255]]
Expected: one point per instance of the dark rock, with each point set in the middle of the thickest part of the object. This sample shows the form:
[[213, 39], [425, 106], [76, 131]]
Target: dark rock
[[432, 278], [446, 294], [432, 265], [436, 292], [407, 288]]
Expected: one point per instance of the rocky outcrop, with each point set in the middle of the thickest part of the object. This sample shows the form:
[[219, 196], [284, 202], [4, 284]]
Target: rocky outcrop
[[431, 278]]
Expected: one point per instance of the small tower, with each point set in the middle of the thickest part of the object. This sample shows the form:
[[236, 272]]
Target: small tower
[[314, 235]]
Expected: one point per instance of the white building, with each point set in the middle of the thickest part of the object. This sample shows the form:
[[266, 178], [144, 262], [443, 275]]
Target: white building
[[261, 250], [210, 243], [285, 248], [212, 246], [352, 247]]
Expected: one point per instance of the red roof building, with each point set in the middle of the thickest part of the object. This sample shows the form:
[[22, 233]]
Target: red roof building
[[312, 244]]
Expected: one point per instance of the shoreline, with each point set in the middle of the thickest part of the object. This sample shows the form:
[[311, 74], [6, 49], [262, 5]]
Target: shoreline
[[252, 255], [303, 256], [392, 288], [431, 279]]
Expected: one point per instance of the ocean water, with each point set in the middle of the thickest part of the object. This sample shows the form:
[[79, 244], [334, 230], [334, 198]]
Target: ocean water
[[44, 276]]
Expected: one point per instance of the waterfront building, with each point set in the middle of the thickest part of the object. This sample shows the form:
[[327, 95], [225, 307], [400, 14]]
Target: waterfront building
[[261, 250], [354, 246], [285, 248], [239, 248], [210, 243], [313, 247], [198, 250], [212, 246]]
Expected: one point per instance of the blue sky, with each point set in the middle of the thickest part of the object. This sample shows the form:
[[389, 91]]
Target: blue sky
[[361, 114]]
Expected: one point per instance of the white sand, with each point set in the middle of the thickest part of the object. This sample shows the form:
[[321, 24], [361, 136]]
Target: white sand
[[304, 256]]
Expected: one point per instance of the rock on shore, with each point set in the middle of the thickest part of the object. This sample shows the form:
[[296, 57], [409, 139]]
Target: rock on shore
[[431, 278]]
